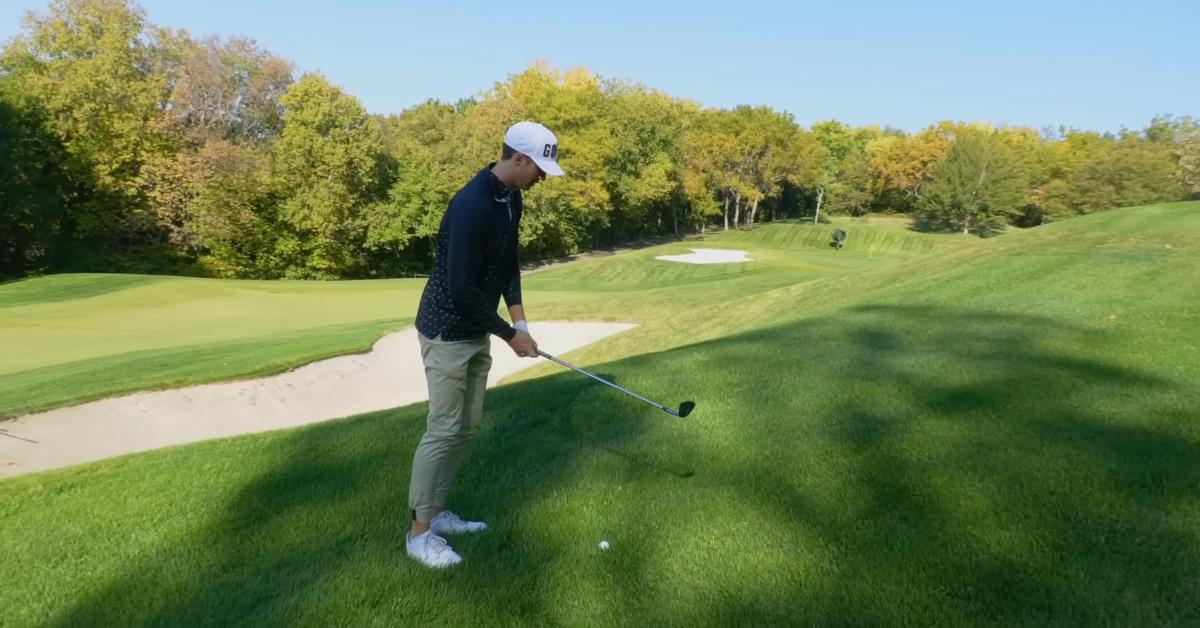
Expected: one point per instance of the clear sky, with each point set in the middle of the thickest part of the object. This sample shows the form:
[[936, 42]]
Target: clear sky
[[1096, 65]]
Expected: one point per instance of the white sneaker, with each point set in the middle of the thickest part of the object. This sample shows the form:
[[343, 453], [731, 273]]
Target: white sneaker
[[431, 550], [446, 522]]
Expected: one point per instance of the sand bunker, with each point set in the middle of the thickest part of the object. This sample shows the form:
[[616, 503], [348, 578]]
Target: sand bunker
[[391, 375], [708, 256]]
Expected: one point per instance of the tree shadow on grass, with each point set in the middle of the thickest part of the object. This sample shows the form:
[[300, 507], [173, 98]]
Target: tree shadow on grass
[[985, 474], [886, 465]]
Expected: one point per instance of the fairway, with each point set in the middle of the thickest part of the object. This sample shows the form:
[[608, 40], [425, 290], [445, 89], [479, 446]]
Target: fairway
[[917, 429]]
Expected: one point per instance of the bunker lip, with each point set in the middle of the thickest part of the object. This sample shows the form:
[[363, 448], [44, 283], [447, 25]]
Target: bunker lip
[[391, 375]]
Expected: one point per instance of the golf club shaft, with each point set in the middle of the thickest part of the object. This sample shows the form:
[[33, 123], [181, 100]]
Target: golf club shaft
[[603, 381]]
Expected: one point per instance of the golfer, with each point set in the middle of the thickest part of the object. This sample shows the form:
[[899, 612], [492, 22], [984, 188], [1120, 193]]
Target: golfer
[[476, 263]]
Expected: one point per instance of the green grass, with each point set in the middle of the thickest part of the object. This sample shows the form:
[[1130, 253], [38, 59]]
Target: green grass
[[182, 365], [73, 338], [878, 237], [995, 432], [61, 288]]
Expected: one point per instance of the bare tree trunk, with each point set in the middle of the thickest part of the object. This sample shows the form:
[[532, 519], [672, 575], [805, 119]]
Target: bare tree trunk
[[727, 210], [820, 197], [737, 209], [753, 210]]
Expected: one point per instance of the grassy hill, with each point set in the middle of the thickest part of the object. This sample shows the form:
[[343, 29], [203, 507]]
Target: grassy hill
[[999, 431]]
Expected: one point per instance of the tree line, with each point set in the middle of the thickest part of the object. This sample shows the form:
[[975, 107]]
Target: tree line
[[127, 146]]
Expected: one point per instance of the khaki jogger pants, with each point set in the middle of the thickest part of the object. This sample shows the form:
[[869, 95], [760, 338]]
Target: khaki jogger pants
[[456, 373]]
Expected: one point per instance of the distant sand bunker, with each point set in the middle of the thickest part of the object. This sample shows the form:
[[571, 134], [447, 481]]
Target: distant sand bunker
[[708, 256]]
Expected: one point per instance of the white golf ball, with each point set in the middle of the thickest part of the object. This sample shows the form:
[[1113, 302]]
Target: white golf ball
[[603, 545]]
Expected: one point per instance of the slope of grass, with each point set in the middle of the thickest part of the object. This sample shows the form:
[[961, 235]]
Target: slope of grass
[[875, 237], [74, 338], [58, 288], [1002, 433], [183, 365], [71, 338], [636, 286]]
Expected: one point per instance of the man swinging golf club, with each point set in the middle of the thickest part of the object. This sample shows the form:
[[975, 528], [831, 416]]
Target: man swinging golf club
[[476, 263]]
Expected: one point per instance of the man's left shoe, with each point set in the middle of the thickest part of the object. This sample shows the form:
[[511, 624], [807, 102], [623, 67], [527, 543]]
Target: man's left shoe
[[446, 522]]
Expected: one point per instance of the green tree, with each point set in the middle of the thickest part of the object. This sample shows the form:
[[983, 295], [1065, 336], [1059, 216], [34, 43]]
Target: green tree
[[844, 183], [850, 192], [327, 166], [976, 186], [563, 213], [401, 230], [1182, 135], [34, 186], [902, 166], [232, 212], [742, 156], [709, 151], [775, 152], [1130, 171], [91, 66], [1189, 167], [1052, 200], [645, 166]]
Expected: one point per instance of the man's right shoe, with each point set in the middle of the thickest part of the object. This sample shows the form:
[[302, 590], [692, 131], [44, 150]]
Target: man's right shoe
[[431, 550]]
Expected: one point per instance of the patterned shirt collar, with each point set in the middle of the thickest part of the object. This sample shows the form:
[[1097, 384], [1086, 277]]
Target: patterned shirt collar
[[499, 191]]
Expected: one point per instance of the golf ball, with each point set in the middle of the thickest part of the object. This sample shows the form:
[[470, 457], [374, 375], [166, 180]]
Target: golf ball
[[603, 545]]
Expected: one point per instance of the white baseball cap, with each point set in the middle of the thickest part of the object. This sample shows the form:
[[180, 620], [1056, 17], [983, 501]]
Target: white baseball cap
[[537, 143]]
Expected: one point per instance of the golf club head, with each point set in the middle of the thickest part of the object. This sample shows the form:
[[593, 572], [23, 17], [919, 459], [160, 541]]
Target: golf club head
[[686, 408]]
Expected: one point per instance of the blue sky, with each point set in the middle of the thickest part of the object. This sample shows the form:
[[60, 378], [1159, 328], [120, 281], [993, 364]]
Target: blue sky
[[1090, 65]]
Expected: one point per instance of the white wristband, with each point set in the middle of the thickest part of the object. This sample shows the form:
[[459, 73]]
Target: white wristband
[[521, 325]]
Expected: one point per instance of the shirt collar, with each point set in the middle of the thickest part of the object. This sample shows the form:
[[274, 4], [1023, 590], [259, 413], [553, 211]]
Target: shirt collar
[[499, 191]]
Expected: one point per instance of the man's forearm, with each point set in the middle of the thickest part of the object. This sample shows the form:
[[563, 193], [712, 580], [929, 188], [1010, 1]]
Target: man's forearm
[[516, 312]]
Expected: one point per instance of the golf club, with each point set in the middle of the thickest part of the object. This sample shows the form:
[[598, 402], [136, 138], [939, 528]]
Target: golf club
[[685, 408]]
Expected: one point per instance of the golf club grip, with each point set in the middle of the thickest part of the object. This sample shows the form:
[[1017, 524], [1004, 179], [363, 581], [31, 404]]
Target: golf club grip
[[601, 380]]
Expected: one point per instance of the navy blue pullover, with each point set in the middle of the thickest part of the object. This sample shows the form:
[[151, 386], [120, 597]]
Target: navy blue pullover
[[475, 263]]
